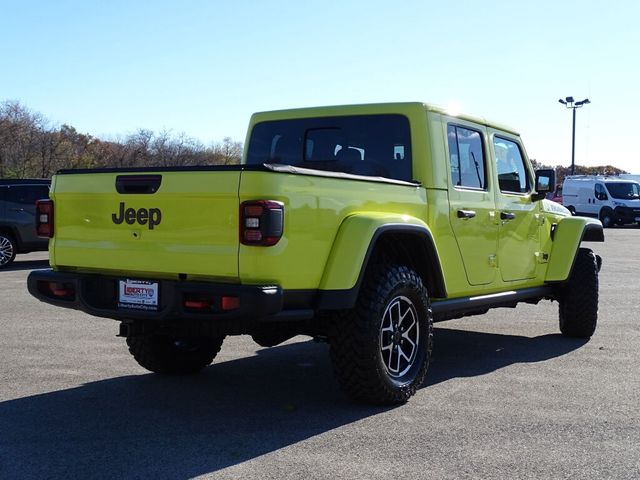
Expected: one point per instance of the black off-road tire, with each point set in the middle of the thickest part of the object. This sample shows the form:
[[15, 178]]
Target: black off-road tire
[[363, 340], [578, 298], [8, 249], [607, 218], [174, 356]]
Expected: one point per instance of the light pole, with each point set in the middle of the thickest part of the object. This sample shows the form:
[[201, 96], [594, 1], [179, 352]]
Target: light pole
[[569, 103]]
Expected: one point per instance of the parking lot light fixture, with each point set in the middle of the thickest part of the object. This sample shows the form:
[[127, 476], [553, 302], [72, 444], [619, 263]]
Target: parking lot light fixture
[[573, 105]]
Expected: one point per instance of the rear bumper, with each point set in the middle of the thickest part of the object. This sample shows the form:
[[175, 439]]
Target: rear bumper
[[98, 295]]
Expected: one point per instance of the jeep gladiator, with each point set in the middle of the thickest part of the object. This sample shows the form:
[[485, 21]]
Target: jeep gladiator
[[357, 225]]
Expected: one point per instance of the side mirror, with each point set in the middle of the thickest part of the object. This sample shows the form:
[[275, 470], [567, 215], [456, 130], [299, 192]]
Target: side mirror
[[545, 182]]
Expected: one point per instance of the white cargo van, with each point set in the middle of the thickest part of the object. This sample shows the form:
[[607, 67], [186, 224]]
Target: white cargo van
[[613, 200]]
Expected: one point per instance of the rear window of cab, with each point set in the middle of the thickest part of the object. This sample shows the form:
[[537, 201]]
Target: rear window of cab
[[372, 145]]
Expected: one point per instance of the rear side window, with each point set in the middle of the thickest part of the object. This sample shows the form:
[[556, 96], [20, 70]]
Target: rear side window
[[512, 173], [374, 145], [466, 158], [26, 194]]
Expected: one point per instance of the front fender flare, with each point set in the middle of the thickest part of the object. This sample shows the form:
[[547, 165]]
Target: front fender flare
[[567, 235]]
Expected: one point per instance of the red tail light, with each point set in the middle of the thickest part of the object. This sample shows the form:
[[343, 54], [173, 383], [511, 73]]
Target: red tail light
[[261, 222], [44, 218]]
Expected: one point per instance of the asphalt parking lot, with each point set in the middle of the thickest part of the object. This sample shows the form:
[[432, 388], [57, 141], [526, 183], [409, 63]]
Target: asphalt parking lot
[[506, 397]]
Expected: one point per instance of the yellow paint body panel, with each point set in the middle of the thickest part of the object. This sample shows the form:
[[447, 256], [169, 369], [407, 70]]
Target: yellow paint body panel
[[197, 236], [315, 208]]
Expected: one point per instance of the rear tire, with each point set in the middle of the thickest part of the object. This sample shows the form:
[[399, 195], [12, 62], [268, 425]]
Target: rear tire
[[381, 349], [8, 249], [579, 297], [174, 356]]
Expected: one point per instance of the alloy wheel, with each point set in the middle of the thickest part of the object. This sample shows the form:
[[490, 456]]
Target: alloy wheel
[[399, 336]]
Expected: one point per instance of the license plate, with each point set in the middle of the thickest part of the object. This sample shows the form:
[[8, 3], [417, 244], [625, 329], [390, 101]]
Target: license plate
[[138, 295]]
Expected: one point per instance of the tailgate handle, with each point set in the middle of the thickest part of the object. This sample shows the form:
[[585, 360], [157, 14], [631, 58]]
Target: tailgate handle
[[138, 184]]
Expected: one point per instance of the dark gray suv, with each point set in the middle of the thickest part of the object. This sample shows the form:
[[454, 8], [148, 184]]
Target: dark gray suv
[[17, 217]]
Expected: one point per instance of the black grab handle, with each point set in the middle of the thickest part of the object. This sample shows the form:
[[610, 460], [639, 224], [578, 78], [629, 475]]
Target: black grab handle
[[138, 184]]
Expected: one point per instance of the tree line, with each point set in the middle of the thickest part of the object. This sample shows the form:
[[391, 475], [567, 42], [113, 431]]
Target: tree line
[[562, 172], [32, 146]]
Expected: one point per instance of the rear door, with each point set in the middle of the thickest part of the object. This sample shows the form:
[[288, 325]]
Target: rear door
[[150, 224], [472, 201]]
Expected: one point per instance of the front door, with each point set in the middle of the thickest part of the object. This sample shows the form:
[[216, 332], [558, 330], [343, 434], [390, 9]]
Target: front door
[[519, 217]]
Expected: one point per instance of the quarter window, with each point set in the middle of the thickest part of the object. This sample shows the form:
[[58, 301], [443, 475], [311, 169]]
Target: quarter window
[[27, 194], [466, 158], [512, 173], [371, 145]]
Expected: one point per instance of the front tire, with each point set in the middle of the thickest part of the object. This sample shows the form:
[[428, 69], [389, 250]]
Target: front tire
[[8, 249], [174, 356], [381, 349], [579, 297], [606, 217]]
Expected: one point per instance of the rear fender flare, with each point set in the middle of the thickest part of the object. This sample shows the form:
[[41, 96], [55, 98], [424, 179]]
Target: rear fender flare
[[355, 242]]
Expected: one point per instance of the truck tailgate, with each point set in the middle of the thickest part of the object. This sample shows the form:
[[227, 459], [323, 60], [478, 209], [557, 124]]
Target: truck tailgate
[[159, 222]]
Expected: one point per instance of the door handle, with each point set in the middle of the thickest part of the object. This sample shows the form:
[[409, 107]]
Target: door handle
[[507, 216], [466, 214]]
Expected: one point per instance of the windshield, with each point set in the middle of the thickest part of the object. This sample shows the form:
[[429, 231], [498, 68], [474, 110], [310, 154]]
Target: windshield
[[374, 145], [624, 191]]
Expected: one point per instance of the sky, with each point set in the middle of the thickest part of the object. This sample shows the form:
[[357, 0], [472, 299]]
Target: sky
[[203, 67]]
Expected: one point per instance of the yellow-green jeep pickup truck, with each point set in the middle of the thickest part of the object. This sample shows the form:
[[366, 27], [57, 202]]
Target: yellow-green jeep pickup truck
[[359, 225]]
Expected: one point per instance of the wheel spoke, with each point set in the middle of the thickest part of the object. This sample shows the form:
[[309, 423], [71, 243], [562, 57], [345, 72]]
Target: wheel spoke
[[387, 347], [407, 339], [403, 316], [398, 317], [388, 363], [402, 354]]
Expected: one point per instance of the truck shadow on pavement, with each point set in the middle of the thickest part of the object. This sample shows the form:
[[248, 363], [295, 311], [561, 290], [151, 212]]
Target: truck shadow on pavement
[[148, 426], [26, 265]]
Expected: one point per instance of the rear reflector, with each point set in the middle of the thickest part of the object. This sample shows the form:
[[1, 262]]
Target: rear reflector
[[62, 291], [197, 304], [230, 303], [261, 222], [44, 218]]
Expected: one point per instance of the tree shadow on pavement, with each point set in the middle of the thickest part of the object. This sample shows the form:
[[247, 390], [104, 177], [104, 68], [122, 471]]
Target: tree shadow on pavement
[[150, 426]]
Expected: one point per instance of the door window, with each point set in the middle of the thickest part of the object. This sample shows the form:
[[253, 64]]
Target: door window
[[513, 176], [466, 158], [600, 193]]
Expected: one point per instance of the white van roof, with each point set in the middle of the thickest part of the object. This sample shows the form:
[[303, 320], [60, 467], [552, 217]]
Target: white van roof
[[602, 178]]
